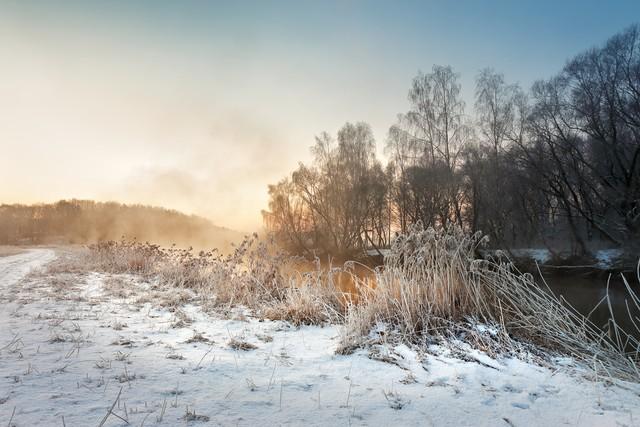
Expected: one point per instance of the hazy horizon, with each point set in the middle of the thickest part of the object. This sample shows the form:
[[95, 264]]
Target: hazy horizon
[[197, 106]]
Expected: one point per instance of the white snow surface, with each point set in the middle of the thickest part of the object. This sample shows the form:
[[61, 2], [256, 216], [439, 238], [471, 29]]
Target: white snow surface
[[606, 258], [71, 355], [539, 255]]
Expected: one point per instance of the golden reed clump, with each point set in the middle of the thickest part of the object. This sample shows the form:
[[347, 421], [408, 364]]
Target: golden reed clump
[[434, 283]]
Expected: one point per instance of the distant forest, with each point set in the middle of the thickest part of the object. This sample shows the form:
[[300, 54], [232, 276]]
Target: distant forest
[[555, 166], [86, 221]]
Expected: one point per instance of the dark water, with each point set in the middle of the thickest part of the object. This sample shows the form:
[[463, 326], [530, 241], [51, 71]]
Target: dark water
[[584, 292]]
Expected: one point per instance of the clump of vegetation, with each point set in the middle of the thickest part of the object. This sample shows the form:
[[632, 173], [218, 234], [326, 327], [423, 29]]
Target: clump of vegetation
[[433, 284], [126, 256], [311, 298], [240, 344], [256, 275], [190, 415]]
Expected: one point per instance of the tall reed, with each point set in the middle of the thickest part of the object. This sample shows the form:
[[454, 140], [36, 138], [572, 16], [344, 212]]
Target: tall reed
[[433, 283]]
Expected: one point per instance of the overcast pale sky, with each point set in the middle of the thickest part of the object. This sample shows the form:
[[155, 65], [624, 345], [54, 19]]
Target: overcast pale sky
[[198, 105]]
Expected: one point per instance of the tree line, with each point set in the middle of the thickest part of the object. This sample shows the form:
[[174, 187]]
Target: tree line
[[87, 221], [557, 165]]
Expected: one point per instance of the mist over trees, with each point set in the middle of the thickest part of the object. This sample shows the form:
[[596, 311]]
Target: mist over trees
[[558, 165], [337, 203], [86, 221]]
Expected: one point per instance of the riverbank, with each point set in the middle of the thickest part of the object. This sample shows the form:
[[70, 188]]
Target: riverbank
[[91, 346], [611, 260]]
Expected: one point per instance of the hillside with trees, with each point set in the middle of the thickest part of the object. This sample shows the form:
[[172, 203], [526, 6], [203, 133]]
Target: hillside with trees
[[86, 221]]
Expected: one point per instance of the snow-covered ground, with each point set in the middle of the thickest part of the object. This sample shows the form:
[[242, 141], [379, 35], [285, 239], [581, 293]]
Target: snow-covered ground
[[605, 259], [70, 345]]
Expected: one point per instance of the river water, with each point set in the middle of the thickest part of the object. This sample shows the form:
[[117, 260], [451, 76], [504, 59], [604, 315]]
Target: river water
[[584, 292]]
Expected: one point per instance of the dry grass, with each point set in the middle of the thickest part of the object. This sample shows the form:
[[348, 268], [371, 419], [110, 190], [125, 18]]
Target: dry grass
[[425, 284], [69, 260], [237, 343], [256, 275], [432, 285], [301, 306], [311, 298]]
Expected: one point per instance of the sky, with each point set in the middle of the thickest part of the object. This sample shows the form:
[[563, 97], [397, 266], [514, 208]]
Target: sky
[[199, 105]]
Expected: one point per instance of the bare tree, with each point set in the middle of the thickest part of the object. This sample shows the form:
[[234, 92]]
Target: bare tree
[[425, 146], [497, 107], [586, 123], [337, 205]]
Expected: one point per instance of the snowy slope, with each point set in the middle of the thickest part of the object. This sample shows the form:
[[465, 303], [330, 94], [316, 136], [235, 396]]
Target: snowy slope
[[70, 344]]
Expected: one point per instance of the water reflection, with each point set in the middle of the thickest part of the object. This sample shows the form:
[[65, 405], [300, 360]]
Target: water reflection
[[584, 292]]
